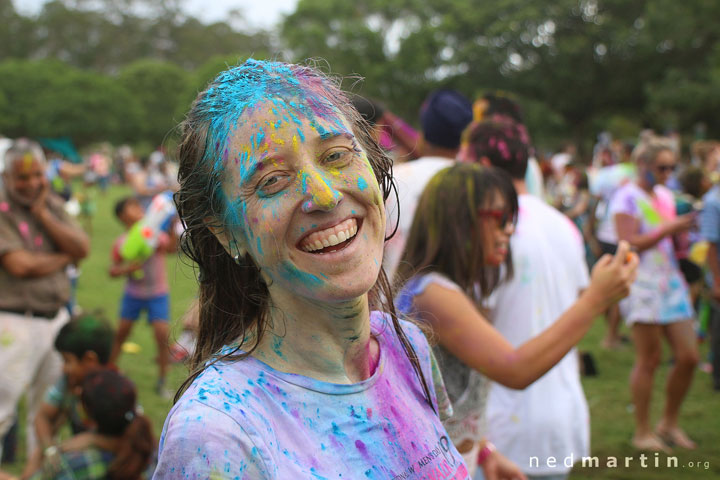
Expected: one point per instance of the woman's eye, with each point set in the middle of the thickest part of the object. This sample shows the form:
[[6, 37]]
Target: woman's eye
[[336, 156], [270, 184]]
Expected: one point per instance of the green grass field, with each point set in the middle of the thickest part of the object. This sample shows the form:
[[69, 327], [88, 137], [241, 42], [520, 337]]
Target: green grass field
[[607, 393]]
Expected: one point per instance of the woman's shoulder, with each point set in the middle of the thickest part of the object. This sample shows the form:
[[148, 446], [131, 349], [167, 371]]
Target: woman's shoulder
[[417, 285], [632, 189], [212, 430]]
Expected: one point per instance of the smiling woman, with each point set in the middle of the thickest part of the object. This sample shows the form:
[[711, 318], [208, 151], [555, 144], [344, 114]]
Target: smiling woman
[[282, 193]]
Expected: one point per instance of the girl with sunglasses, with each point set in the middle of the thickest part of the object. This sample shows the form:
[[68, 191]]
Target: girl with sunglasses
[[457, 245]]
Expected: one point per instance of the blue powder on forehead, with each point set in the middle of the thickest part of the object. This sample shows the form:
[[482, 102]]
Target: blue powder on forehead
[[239, 90]]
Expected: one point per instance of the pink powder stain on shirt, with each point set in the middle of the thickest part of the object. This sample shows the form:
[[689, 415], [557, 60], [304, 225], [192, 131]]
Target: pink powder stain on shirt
[[4, 207], [24, 229], [38, 241]]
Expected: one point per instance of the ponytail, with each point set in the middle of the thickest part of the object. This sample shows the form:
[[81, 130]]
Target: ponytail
[[134, 450]]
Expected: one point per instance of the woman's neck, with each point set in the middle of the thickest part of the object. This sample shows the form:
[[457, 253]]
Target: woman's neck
[[326, 341]]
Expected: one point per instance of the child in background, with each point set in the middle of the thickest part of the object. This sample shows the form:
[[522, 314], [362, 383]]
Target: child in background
[[120, 444], [84, 344], [146, 289]]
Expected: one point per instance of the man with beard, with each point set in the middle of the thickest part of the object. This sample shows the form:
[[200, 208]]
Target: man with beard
[[37, 241]]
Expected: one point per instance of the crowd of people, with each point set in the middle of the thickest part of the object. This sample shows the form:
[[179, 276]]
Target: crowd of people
[[372, 300]]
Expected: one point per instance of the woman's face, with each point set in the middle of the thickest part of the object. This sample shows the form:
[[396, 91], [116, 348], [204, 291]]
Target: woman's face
[[663, 167], [497, 226], [303, 201]]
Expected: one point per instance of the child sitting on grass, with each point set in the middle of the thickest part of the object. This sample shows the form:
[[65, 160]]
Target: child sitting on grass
[[146, 288], [84, 344], [120, 444]]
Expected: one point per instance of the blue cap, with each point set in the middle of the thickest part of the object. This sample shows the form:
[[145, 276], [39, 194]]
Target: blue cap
[[443, 116]]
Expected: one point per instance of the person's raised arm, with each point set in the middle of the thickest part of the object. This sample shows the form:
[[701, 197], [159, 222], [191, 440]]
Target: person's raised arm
[[46, 419], [463, 331], [628, 228], [69, 238], [22, 263]]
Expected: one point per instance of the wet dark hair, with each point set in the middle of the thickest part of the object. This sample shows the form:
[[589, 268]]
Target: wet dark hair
[[505, 143], [233, 297], [86, 333], [109, 399], [370, 110], [452, 244]]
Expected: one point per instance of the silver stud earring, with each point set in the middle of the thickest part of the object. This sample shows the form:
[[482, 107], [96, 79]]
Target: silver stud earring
[[236, 258]]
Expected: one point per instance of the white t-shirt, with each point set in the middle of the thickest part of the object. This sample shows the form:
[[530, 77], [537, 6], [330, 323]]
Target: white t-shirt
[[534, 181], [550, 418], [603, 184], [411, 179]]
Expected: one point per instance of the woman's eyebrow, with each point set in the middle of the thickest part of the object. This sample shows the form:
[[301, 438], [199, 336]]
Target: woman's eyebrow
[[247, 174], [331, 134]]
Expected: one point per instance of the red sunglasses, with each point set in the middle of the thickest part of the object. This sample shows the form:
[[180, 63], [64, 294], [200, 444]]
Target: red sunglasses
[[503, 217]]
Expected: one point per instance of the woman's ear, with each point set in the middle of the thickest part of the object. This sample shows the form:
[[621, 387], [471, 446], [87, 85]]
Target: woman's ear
[[226, 238]]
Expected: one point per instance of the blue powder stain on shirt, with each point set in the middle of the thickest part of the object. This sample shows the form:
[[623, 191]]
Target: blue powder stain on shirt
[[315, 475], [362, 184], [336, 430], [259, 246]]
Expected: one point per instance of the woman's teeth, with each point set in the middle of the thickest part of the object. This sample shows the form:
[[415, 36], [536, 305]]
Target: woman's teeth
[[331, 236]]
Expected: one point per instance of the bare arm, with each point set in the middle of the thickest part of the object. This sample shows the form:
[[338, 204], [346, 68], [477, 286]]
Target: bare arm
[[25, 264], [71, 170], [580, 206], [69, 238], [713, 262], [462, 330], [46, 420], [121, 269], [628, 228]]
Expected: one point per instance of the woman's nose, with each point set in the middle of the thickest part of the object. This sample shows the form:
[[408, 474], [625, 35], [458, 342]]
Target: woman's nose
[[319, 191], [509, 228]]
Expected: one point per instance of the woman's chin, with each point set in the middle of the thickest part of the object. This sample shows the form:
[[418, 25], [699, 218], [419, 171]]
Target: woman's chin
[[496, 260]]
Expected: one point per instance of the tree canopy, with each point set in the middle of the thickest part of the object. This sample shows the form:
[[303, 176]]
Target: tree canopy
[[127, 70]]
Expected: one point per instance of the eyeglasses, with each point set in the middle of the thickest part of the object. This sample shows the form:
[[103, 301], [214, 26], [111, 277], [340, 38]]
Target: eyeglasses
[[503, 217], [665, 168]]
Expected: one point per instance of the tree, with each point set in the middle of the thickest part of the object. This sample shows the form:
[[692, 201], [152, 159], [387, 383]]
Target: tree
[[158, 87], [50, 99]]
